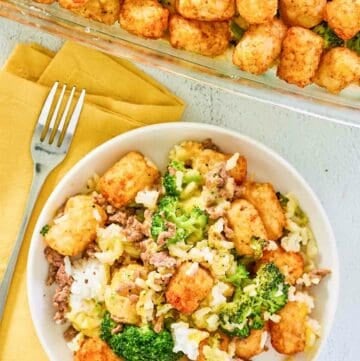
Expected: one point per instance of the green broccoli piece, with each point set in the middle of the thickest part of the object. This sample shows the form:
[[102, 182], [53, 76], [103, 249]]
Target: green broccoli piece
[[272, 288], [282, 199], [257, 244], [190, 180], [354, 43], [331, 40], [236, 30], [237, 279], [190, 226], [106, 327], [245, 312], [44, 230], [300, 217], [143, 344]]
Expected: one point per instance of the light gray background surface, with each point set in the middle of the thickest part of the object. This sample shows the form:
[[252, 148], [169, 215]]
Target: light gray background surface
[[326, 154]]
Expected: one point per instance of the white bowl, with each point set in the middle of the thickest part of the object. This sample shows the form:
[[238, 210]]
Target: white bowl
[[155, 142]]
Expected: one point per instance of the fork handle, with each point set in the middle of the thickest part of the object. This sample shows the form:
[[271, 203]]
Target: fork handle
[[39, 175]]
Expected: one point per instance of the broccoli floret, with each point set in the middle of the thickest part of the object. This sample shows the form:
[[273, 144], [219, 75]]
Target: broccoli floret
[[190, 226], [107, 325], [269, 293], [181, 181], [354, 43], [282, 199], [143, 344], [237, 279], [236, 30], [44, 230], [257, 244], [272, 288], [300, 217], [331, 40]]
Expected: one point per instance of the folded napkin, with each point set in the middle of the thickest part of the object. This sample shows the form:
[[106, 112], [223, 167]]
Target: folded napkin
[[119, 98]]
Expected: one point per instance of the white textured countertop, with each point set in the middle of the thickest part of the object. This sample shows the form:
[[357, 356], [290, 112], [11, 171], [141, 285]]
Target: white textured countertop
[[326, 154]]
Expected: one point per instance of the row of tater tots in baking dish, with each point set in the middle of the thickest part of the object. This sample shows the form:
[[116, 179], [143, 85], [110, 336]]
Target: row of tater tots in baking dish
[[311, 40]]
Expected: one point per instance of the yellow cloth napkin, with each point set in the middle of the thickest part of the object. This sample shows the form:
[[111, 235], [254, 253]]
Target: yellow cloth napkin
[[120, 97]]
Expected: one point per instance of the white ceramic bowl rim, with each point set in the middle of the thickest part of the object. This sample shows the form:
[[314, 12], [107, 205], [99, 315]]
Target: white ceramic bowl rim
[[196, 127]]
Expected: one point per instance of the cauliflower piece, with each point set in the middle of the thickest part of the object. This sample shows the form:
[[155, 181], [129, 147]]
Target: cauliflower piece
[[246, 223], [204, 318], [185, 291], [304, 13], [214, 10], [260, 46], [206, 38], [111, 242], [257, 11], [145, 18], [123, 293], [215, 354], [263, 197], [288, 336], [300, 56], [86, 294], [89, 279], [145, 306], [338, 68], [290, 264], [131, 174], [148, 198], [343, 16], [247, 348], [94, 349], [76, 228], [187, 340], [85, 315], [105, 11]]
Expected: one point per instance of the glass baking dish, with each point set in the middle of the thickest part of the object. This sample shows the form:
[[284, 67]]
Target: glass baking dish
[[218, 72]]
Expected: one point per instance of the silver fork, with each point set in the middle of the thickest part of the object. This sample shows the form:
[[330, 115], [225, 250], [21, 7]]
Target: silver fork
[[47, 151]]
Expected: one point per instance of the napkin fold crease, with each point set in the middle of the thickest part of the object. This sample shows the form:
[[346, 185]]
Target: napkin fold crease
[[120, 97]]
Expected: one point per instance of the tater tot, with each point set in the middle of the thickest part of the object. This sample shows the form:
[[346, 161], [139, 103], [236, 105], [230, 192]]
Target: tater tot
[[260, 46], [188, 287], [338, 68], [207, 159], [288, 336], [223, 344], [257, 11], [94, 349], [145, 18], [246, 223], [247, 348], [213, 10], [343, 16], [305, 13], [132, 173], [239, 172], [105, 11], [300, 56], [121, 295], [205, 38], [290, 264], [76, 228], [263, 197]]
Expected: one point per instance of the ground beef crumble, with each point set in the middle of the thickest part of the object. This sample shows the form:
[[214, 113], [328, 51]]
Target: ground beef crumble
[[70, 333], [63, 282]]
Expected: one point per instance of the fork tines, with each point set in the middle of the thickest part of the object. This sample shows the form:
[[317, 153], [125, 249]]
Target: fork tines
[[52, 129]]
